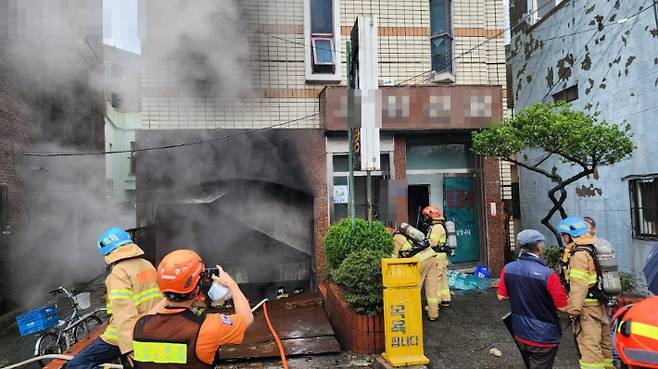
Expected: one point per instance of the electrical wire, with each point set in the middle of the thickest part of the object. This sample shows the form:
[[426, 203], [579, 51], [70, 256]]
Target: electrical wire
[[171, 146], [615, 23], [619, 22], [226, 137], [543, 49], [560, 76], [621, 49]]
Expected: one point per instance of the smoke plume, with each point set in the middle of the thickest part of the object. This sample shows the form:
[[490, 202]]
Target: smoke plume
[[191, 49]]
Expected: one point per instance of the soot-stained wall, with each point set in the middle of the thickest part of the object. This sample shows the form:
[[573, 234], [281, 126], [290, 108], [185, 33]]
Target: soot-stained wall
[[255, 202], [609, 51]]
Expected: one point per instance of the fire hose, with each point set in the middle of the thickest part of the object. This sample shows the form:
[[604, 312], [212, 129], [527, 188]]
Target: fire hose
[[282, 351]]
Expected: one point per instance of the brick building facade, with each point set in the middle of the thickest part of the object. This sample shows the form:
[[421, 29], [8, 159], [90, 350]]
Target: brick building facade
[[452, 51]]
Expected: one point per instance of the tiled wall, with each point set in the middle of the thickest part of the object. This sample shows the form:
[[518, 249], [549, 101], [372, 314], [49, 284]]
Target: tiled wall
[[279, 92]]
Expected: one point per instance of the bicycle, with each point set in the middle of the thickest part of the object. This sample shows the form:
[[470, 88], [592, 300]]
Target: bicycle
[[77, 326]]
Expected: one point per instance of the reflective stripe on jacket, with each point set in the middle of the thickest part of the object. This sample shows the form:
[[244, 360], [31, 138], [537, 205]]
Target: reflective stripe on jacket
[[132, 290], [637, 334], [581, 275], [438, 238], [401, 243], [175, 338]]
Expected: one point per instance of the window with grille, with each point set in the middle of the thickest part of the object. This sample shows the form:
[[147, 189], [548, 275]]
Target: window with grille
[[644, 207], [441, 38], [567, 95]]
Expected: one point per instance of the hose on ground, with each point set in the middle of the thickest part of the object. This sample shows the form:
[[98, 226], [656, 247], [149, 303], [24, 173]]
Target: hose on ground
[[263, 303], [42, 357], [55, 357], [282, 351]]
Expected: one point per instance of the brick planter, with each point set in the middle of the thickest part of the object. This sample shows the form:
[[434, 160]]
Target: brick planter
[[355, 332]]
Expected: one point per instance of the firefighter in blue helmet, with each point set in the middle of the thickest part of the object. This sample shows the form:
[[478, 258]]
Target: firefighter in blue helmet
[[587, 301], [132, 290]]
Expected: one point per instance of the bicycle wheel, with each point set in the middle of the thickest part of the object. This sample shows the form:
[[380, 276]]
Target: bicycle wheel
[[48, 344], [86, 327]]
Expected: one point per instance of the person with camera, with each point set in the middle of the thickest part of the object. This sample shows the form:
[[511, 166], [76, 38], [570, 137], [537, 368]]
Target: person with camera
[[173, 335]]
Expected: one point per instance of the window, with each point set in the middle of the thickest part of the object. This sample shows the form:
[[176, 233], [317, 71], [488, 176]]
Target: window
[[441, 39], [320, 25], [644, 207], [567, 95], [379, 190], [539, 8], [323, 56], [132, 158]]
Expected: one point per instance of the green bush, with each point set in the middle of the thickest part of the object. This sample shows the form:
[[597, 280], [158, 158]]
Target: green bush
[[627, 282], [360, 277], [552, 256], [341, 240]]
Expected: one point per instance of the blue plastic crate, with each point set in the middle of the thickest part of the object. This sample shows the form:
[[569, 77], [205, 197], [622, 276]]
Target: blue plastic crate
[[37, 320]]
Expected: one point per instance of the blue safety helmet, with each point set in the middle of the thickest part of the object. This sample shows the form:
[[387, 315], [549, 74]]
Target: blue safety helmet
[[574, 226], [112, 239]]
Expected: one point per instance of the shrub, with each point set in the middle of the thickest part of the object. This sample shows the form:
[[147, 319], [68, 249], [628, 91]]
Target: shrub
[[342, 239], [552, 256], [627, 282], [360, 277]]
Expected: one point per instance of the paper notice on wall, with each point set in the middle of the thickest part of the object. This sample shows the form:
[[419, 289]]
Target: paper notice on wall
[[341, 194], [493, 209]]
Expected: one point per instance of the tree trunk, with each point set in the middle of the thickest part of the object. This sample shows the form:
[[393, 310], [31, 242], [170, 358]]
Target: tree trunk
[[558, 203]]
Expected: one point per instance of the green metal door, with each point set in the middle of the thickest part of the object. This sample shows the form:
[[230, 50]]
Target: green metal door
[[459, 206]]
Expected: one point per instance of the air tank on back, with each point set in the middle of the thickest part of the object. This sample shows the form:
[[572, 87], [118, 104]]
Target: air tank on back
[[451, 233], [607, 259]]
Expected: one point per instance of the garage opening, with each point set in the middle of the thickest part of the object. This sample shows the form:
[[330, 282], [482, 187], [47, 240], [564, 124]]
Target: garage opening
[[261, 233]]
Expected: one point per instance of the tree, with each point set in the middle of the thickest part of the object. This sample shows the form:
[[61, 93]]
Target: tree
[[577, 138]]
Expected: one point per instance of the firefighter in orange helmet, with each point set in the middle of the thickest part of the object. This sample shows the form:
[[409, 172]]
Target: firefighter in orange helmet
[[637, 334], [432, 223], [409, 242], [174, 336]]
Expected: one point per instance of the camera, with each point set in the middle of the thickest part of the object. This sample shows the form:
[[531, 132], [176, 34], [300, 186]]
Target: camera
[[206, 276]]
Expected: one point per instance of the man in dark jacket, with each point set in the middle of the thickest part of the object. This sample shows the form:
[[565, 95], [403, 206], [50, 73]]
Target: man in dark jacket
[[535, 293]]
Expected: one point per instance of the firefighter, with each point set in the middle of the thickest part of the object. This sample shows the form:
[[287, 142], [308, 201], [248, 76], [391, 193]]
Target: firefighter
[[587, 306], [403, 240], [132, 290], [564, 227], [432, 224], [173, 336], [637, 334]]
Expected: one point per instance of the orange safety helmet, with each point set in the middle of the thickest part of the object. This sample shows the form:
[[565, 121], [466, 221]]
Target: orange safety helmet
[[637, 334], [179, 272], [432, 212]]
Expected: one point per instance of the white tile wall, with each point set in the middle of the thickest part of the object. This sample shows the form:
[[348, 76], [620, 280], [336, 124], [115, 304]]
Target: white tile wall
[[278, 64]]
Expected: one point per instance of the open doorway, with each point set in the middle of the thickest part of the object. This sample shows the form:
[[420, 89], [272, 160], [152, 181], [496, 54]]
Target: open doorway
[[418, 197]]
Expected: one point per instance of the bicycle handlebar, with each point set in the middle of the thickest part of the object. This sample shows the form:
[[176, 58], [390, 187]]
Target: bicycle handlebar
[[55, 291]]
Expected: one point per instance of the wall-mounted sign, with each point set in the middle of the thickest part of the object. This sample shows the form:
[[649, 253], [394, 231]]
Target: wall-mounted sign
[[341, 194]]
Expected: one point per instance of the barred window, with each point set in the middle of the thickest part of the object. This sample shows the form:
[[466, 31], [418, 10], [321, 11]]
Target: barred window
[[644, 207]]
